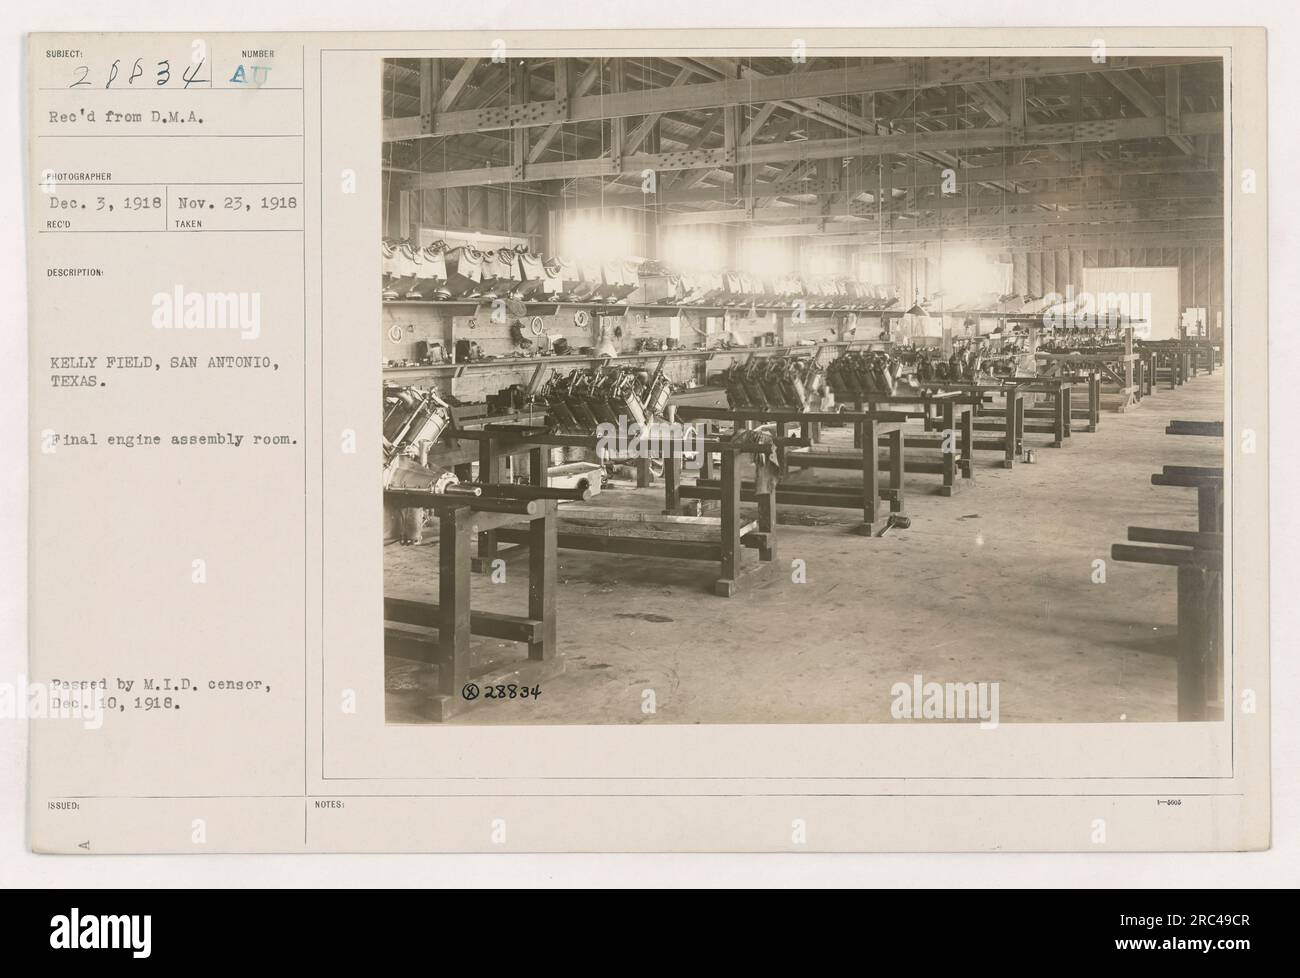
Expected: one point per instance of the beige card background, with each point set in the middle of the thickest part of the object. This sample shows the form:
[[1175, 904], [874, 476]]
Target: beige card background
[[290, 537]]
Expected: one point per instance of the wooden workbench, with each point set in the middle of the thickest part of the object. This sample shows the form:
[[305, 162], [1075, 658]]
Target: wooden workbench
[[870, 428], [721, 540], [440, 632]]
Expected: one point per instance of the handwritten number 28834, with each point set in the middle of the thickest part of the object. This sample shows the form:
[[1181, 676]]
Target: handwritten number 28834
[[162, 74]]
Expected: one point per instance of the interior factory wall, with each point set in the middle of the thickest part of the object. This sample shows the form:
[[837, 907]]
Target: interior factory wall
[[465, 213], [1200, 272], [1152, 294], [584, 234], [915, 278]]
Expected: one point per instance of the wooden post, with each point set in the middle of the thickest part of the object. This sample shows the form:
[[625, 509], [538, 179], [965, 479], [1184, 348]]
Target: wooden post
[[1128, 359], [1012, 412], [1214, 636], [537, 467], [489, 471], [896, 468], [730, 529], [453, 600], [1209, 509], [767, 520], [1058, 424], [671, 481], [542, 563], [1193, 644], [1020, 421], [948, 451], [968, 443], [865, 436]]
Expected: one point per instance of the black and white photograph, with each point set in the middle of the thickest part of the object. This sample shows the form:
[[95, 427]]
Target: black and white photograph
[[804, 389], [825, 434]]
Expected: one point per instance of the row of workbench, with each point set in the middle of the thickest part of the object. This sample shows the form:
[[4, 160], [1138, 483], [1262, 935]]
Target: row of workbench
[[1135, 369], [957, 422], [536, 520]]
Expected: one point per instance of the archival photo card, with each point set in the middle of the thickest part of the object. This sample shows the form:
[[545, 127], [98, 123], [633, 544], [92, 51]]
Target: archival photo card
[[786, 440]]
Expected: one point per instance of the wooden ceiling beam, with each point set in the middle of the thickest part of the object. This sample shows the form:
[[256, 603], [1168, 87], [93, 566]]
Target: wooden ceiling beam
[[792, 86], [1094, 131], [1131, 87]]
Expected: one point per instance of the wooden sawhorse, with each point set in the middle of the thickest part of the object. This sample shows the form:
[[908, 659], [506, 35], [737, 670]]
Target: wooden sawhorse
[[440, 632], [869, 428]]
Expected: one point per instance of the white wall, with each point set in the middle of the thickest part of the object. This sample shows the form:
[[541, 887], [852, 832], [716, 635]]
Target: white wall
[[1157, 285]]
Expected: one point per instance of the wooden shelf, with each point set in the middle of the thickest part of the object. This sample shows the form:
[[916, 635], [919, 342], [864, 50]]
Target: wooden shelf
[[463, 307], [524, 363]]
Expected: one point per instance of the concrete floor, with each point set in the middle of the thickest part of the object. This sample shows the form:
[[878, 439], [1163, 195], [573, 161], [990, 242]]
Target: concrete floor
[[992, 584]]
